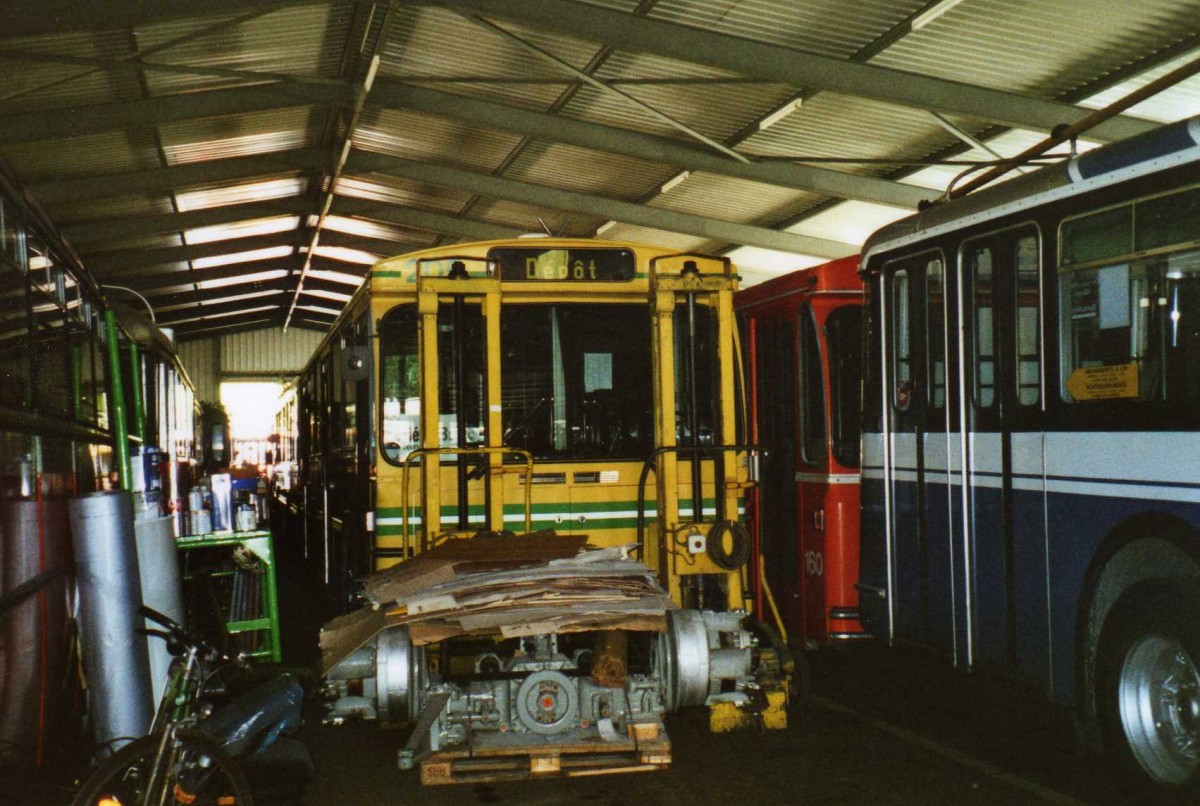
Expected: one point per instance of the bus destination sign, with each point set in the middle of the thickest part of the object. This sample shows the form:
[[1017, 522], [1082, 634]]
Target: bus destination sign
[[534, 265]]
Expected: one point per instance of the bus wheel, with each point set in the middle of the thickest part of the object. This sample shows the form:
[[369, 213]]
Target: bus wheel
[[1149, 664]]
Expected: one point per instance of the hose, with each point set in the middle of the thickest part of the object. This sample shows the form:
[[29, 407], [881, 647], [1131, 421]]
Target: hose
[[738, 552]]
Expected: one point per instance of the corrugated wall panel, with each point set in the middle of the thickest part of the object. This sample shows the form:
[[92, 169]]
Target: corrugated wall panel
[[268, 352], [197, 358]]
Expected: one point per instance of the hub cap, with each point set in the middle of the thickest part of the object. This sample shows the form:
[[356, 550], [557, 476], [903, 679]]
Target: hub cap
[[1158, 695]]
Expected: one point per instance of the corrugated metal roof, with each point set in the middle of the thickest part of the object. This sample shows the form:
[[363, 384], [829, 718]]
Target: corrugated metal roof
[[1042, 47], [290, 41], [30, 84], [587, 171], [1033, 48], [717, 110], [242, 229], [237, 135], [435, 42], [426, 137], [113, 152], [828, 27], [1181, 100], [525, 218], [114, 207], [241, 192], [183, 306], [837, 126], [377, 187], [734, 199]]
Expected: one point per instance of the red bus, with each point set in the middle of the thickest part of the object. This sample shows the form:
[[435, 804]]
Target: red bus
[[802, 337]]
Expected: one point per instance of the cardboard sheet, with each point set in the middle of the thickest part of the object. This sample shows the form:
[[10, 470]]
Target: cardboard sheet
[[510, 587]]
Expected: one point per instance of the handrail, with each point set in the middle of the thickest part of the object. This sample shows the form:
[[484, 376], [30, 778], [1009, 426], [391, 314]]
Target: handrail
[[484, 451], [649, 465]]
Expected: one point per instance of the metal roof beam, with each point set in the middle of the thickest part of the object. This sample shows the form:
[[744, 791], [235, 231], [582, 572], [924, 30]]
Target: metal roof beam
[[601, 207], [148, 282], [78, 121], [386, 213], [88, 235], [208, 328], [797, 68], [168, 279], [383, 247], [193, 297], [170, 318], [561, 129], [110, 264], [178, 177]]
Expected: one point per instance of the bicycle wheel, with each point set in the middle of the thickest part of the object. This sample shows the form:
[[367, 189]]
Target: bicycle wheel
[[194, 771]]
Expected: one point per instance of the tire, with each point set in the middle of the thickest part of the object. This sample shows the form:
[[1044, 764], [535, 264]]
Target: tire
[[1149, 687], [202, 772]]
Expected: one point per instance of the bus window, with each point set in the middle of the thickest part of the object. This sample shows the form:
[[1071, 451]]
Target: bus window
[[1132, 330], [400, 382], [1029, 386], [704, 377], [843, 335], [901, 343], [574, 380], [983, 354], [812, 392], [935, 336]]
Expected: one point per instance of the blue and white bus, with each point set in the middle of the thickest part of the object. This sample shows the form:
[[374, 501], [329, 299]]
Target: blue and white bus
[[1031, 440]]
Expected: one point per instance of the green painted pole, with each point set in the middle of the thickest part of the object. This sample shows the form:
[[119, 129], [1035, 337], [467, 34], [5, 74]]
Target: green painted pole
[[139, 402], [120, 428]]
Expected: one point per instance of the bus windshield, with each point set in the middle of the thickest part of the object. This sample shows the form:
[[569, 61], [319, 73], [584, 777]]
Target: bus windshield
[[575, 381]]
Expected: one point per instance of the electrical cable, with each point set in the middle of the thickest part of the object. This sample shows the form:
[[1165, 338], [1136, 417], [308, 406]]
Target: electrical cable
[[739, 551]]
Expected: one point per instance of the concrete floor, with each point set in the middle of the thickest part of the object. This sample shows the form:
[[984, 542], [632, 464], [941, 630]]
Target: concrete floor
[[882, 726], [843, 748]]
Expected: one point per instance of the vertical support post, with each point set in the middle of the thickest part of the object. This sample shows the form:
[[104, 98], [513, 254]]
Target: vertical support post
[[495, 420], [120, 427], [667, 476], [139, 403], [727, 495], [431, 427]]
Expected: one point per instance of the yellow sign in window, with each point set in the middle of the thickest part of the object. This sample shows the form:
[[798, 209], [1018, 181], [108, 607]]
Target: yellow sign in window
[[1104, 383]]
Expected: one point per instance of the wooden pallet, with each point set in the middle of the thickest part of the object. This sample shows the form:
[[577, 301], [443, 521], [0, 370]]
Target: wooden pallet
[[493, 757]]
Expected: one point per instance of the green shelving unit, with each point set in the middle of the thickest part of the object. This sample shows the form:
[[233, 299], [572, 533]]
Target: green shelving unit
[[266, 624]]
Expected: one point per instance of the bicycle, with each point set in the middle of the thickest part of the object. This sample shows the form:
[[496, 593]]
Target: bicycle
[[190, 756]]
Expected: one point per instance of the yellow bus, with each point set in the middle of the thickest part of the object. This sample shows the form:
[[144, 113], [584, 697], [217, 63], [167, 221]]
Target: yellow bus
[[580, 386]]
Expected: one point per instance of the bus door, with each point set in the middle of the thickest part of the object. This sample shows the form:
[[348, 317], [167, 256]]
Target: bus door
[[1005, 491], [776, 406], [827, 477], [920, 442], [460, 474]]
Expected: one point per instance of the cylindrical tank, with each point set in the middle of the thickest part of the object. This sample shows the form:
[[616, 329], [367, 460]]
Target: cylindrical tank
[[114, 658], [162, 589], [34, 631]]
